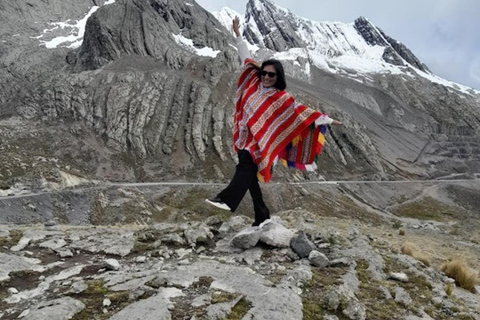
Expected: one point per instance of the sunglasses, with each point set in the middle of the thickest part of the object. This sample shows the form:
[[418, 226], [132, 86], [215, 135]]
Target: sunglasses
[[263, 73]]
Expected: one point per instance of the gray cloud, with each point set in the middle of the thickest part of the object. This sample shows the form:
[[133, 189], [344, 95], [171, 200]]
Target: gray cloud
[[442, 33]]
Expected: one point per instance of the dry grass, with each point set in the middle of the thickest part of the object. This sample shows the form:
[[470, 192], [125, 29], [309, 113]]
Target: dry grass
[[412, 250], [464, 276], [449, 289]]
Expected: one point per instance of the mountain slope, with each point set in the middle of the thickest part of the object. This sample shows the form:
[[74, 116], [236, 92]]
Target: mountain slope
[[148, 95]]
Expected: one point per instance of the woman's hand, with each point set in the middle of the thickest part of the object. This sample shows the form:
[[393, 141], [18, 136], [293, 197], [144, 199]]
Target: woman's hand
[[236, 26], [336, 122]]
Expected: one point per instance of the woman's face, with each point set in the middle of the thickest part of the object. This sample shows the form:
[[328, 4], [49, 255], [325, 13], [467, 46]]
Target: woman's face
[[269, 76]]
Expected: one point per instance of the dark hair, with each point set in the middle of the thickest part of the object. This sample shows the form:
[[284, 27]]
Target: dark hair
[[280, 84]]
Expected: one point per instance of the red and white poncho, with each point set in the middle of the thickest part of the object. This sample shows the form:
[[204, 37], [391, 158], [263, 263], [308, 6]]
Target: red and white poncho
[[269, 124]]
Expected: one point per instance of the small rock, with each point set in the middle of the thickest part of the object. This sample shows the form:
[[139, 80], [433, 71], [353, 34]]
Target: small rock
[[304, 192], [53, 244], [173, 238], [324, 245], [78, 287], [50, 223], [200, 235], [201, 301], [140, 259], [21, 244], [12, 291], [340, 263], [386, 293], [281, 268], [398, 276], [234, 224], [184, 262], [213, 220], [181, 253], [107, 302], [318, 259], [64, 253], [449, 280], [301, 245], [402, 296], [355, 310], [112, 264], [275, 234], [437, 300], [247, 238]]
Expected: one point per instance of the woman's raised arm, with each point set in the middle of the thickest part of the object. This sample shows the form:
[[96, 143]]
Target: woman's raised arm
[[242, 47]]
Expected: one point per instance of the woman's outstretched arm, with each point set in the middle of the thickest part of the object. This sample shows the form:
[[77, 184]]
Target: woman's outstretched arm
[[243, 51]]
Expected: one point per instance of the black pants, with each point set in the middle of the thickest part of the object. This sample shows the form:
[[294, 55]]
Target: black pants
[[245, 178]]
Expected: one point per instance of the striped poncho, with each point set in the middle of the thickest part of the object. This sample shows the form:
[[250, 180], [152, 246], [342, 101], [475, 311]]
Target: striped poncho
[[269, 124]]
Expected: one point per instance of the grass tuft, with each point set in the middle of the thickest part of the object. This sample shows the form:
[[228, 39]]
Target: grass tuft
[[449, 289], [464, 276], [413, 251]]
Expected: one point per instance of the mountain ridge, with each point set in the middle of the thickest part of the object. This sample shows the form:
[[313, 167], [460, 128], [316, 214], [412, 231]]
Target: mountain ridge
[[151, 99]]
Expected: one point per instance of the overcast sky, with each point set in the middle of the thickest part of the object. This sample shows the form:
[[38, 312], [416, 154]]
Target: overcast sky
[[443, 34]]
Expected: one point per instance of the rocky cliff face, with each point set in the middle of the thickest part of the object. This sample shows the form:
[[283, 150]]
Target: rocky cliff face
[[149, 94]]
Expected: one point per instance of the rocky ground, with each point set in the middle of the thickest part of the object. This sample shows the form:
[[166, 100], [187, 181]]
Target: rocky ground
[[299, 265]]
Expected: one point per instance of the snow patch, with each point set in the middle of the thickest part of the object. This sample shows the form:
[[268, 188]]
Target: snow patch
[[74, 38], [187, 44]]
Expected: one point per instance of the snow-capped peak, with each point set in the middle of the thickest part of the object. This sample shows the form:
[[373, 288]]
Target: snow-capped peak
[[332, 46]]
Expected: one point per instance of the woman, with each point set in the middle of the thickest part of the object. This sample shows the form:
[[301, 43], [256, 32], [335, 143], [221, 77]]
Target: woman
[[268, 126]]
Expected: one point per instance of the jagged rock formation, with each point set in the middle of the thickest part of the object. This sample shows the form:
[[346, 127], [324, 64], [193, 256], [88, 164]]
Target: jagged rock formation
[[395, 52]]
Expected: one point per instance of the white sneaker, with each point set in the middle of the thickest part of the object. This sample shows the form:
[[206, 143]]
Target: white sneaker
[[219, 204]]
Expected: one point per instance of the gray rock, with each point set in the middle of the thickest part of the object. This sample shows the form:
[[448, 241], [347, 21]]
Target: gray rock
[[213, 220], [247, 238], [200, 235], [275, 234], [112, 264], [386, 293], [50, 223], [329, 317], [22, 243], [173, 238], [53, 244], [437, 300], [65, 253], [106, 302], [58, 309], [235, 224], [9, 263], [118, 243], [318, 259], [301, 245], [202, 300], [355, 310], [140, 259], [153, 308], [402, 296], [398, 276], [340, 263], [12, 291], [78, 287]]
